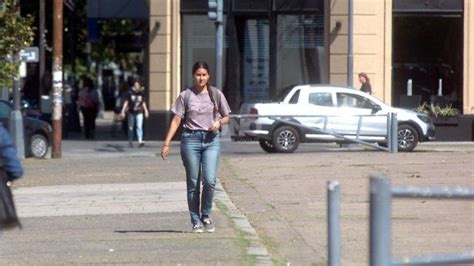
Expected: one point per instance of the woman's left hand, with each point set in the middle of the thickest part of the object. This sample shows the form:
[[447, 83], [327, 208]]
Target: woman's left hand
[[215, 127]]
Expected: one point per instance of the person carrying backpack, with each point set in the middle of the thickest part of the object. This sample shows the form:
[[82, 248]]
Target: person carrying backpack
[[203, 110], [89, 105]]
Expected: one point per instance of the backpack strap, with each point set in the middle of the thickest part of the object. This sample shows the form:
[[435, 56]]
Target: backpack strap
[[217, 96], [187, 96]]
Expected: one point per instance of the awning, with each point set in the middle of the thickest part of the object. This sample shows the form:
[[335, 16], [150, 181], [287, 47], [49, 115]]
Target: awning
[[428, 6], [110, 9]]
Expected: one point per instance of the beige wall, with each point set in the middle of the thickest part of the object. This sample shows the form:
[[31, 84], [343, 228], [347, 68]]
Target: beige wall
[[372, 44], [338, 42], [468, 57], [372, 49], [164, 53]]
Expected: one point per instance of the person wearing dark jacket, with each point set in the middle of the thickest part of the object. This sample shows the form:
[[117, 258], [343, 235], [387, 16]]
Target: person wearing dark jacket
[[364, 79], [9, 155], [89, 104], [12, 170]]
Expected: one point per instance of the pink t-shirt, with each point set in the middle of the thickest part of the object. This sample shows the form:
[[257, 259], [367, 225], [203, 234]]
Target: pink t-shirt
[[200, 109]]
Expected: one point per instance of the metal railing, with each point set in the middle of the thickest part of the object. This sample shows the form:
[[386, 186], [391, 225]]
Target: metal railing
[[392, 127], [381, 195]]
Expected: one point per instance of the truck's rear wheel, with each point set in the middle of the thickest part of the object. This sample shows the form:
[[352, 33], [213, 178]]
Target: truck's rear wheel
[[407, 138], [286, 139], [266, 145]]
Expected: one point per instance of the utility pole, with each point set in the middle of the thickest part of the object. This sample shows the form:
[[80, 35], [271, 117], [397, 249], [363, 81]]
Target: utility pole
[[42, 43], [57, 77], [16, 117], [216, 10]]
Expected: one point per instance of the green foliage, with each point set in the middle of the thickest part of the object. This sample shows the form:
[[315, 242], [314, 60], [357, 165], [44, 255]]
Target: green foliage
[[434, 110], [113, 32], [115, 35], [16, 33]]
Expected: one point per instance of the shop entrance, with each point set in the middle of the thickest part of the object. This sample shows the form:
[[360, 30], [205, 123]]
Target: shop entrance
[[428, 50], [256, 60]]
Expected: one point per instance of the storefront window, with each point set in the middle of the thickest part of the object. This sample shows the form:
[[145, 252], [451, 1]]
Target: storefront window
[[300, 55], [270, 46], [433, 66], [198, 44], [256, 60]]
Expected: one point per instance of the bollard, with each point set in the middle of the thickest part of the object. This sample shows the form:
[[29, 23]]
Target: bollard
[[394, 133], [389, 132], [380, 222], [334, 231]]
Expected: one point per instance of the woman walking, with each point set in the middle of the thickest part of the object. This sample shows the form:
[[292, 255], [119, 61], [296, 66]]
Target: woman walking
[[204, 110], [136, 106], [89, 105], [365, 81]]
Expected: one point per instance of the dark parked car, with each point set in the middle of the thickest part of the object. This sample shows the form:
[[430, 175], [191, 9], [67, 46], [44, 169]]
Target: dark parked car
[[37, 133]]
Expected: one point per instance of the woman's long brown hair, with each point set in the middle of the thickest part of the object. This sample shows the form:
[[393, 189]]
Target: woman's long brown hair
[[363, 74]]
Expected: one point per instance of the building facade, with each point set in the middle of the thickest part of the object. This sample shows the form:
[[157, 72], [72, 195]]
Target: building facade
[[272, 45]]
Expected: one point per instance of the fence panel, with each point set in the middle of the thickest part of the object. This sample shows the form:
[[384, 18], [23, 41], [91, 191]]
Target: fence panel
[[381, 193]]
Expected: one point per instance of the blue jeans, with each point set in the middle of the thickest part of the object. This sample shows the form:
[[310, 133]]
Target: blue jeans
[[200, 152], [135, 120]]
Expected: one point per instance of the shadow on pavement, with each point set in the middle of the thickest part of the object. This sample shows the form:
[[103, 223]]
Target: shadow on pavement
[[150, 231], [111, 148]]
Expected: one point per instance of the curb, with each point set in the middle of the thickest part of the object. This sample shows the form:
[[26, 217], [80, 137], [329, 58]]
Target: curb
[[255, 247]]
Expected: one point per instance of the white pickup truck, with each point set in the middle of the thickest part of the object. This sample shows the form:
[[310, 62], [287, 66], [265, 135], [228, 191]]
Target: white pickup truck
[[324, 113]]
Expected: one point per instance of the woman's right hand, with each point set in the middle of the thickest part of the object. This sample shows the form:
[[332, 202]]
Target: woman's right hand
[[122, 115], [165, 149]]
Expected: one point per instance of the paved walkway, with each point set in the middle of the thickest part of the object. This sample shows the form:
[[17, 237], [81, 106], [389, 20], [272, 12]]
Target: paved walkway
[[105, 203], [101, 199]]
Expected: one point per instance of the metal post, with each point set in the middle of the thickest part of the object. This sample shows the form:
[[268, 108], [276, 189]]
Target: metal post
[[16, 118], [334, 232], [394, 132], [359, 125], [219, 44], [380, 222], [57, 77], [350, 56], [389, 132]]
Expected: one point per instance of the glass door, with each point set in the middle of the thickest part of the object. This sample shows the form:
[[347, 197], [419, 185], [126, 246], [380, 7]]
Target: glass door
[[256, 60]]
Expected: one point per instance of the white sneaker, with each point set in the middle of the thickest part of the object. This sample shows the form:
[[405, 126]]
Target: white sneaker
[[208, 225], [197, 228]]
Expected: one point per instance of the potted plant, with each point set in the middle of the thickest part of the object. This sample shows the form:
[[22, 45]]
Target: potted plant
[[440, 115]]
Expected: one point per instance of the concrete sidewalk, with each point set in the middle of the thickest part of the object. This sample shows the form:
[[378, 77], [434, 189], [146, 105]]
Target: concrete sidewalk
[[104, 203], [284, 198]]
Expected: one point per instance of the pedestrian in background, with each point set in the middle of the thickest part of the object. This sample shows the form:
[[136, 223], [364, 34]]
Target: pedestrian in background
[[204, 110], [365, 81], [135, 106], [12, 170], [89, 105]]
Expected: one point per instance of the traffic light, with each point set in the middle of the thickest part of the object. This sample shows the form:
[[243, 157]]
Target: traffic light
[[216, 8]]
